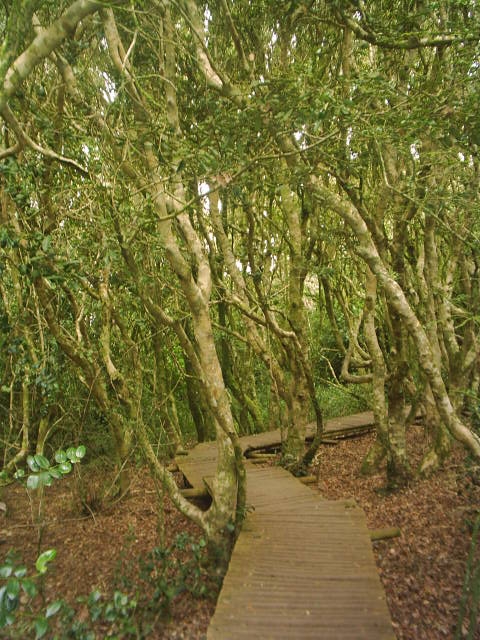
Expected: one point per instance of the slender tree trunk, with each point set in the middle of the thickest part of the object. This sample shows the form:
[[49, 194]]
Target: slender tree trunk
[[380, 447]]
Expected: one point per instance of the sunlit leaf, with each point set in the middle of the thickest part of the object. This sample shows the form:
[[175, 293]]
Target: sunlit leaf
[[45, 479], [60, 456], [41, 461], [53, 608], [33, 482], [43, 559], [81, 451], [32, 464], [65, 467]]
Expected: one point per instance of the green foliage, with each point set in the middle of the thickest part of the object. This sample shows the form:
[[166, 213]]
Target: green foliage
[[18, 592], [343, 400], [146, 592], [165, 573], [43, 473]]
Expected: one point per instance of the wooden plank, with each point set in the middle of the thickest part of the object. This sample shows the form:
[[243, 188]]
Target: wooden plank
[[310, 576], [302, 566]]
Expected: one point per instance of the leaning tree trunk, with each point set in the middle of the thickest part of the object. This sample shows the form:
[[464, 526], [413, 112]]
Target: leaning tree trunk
[[398, 301]]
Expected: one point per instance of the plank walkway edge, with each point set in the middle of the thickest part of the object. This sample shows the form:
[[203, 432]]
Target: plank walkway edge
[[302, 566]]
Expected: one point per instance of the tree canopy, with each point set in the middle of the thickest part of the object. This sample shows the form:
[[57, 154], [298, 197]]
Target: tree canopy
[[212, 211]]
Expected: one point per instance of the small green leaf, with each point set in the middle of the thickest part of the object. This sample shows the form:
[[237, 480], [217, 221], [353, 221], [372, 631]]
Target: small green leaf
[[9, 619], [32, 464], [53, 608], [13, 587], [65, 467], [29, 587], [41, 627], [42, 462], [43, 559], [60, 456], [94, 597], [33, 482], [120, 600], [71, 454], [45, 479], [10, 603], [55, 473], [20, 572], [81, 451], [6, 571], [46, 244], [19, 473]]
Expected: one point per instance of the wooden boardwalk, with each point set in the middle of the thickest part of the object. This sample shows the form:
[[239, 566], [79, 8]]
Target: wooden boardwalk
[[302, 566]]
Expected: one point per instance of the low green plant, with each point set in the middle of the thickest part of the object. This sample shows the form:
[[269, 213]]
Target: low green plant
[[42, 472], [175, 569], [18, 592]]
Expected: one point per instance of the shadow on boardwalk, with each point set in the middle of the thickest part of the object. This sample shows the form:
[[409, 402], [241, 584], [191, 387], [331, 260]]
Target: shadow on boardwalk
[[302, 566]]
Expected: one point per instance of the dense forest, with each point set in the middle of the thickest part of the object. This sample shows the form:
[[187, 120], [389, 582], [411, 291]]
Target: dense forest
[[223, 217]]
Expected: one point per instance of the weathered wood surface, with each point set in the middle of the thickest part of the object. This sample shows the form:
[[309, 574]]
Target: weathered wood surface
[[201, 461], [302, 566], [334, 428]]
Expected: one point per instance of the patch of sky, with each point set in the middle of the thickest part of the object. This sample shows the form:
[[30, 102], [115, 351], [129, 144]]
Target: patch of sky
[[109, 91], [414, 152]]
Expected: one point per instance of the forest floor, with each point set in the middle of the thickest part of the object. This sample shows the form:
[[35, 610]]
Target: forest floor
[[422, 570]]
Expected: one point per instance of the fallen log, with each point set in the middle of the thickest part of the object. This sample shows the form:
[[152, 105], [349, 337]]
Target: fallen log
[[384, 534], [308, 479]]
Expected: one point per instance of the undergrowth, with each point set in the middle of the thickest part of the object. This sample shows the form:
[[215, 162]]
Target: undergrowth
[[144, 591]]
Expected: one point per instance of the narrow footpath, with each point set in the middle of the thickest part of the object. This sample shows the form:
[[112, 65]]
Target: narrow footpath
[[302, 566]]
